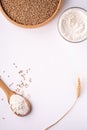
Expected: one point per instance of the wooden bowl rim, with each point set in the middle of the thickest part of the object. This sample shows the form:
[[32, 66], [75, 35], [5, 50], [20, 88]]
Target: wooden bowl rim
[[30, 26]]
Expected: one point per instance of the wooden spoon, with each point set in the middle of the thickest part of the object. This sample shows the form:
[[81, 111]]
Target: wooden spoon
[[9, 93]]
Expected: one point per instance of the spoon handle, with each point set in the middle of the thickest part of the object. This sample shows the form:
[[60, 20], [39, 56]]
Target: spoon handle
[[4, 87]]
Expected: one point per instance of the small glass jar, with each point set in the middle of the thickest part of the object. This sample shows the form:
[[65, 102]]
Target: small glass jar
[[72, 24]]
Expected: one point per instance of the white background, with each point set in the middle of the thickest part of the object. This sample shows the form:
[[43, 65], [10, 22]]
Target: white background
[[55, 65]]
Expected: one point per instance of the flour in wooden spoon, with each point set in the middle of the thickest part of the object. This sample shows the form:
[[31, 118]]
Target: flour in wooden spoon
[[18, 105]]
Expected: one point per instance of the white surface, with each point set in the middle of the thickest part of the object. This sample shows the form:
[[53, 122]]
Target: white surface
[[55, 65]]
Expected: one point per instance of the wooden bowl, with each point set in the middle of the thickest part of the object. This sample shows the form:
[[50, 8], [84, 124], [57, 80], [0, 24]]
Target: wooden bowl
[[30, 26]]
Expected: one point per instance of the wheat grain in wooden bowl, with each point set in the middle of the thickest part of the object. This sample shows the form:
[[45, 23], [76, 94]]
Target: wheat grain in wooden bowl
[[30, 13]]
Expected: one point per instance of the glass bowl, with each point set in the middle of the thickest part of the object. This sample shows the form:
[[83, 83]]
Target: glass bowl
[[72, 24]]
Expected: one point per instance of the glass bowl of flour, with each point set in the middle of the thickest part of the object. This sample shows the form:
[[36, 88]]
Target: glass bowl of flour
[[72, 24]]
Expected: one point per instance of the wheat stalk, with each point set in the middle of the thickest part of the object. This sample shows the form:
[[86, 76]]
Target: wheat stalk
[[78, 91]]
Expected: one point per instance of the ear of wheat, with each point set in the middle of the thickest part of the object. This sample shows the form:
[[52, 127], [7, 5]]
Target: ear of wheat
[[78, 89], [78, 92]]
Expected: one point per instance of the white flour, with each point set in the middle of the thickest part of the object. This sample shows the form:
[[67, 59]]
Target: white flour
[[18, 104], [73, 25]]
